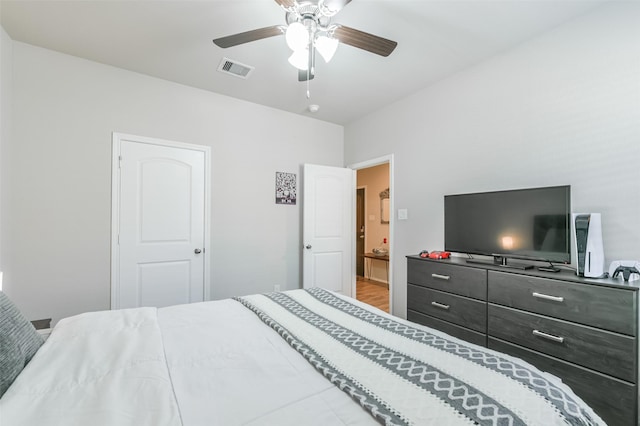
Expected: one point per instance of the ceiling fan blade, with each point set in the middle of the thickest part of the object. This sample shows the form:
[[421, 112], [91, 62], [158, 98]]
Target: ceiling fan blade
[[361, 40], [248, 36], [286, 3], [335, 5]]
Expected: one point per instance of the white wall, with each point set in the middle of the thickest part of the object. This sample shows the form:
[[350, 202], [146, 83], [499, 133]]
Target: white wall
[[561, 109], [6, 50], [65, 110]]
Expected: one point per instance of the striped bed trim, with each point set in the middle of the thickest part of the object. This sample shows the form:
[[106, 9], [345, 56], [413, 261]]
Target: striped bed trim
[[405, 375]]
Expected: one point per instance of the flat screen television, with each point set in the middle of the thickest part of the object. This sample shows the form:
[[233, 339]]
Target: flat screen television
[[531, 223]]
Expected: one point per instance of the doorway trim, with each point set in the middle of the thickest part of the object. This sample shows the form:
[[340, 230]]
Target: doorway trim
[[116, 139], [363, 165], [365, 213]]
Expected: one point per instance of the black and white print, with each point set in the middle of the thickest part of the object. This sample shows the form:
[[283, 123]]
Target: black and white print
[[286, 188]]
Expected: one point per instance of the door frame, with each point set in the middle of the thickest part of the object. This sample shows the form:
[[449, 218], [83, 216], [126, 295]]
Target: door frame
[[117, 139], [363, 165], [365, 190]]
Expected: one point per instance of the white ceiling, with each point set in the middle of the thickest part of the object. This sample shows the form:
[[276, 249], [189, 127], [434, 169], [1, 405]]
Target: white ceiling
[[172, 40]]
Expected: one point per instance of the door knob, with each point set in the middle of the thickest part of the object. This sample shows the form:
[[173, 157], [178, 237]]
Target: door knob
[[308, 246], [197, 251]]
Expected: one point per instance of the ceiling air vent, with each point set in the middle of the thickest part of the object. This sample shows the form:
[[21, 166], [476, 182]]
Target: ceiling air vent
[[235, 68]]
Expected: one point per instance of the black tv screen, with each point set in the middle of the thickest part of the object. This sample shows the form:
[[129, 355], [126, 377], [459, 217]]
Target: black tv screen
[[532, 223]]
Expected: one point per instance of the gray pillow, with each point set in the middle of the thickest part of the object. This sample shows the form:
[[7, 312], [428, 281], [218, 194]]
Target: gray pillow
[[19, 342]]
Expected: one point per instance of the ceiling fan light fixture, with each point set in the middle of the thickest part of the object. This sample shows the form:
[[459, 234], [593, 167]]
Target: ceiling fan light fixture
[[326, 46], [309, 28], [300, 59], [297, 36]]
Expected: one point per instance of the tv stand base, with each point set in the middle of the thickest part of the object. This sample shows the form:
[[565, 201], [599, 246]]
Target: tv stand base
[[502, 263]]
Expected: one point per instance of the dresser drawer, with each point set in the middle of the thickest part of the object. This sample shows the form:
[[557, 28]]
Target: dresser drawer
[[612, 399], [446, 327], [462, 333], [603, 307], [459, 310], [600, 350], [465, 281]]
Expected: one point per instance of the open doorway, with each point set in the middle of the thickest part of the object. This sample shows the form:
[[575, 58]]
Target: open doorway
[[373, 233]]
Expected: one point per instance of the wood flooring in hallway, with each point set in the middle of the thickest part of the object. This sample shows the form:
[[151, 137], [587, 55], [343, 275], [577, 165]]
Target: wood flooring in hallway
[[372, 293]]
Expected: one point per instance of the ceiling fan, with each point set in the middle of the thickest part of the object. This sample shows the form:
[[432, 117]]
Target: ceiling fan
[[309, 29]]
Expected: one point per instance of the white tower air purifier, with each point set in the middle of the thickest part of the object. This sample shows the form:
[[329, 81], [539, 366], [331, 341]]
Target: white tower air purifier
[[589, 248]]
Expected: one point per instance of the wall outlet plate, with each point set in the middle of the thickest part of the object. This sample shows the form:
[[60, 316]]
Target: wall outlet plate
[[276, 287]]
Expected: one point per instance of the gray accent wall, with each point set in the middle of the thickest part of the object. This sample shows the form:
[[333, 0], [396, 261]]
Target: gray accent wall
[[563, 108]]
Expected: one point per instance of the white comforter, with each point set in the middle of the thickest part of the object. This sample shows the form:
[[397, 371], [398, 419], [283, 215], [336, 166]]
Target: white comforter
[[212, 363]]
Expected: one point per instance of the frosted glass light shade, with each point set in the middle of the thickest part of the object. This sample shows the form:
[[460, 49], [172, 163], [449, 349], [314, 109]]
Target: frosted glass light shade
[[297, 36], [300, 59], [327, 47]]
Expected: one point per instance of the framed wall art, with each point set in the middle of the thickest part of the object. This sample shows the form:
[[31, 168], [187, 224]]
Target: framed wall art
[[286, 189]]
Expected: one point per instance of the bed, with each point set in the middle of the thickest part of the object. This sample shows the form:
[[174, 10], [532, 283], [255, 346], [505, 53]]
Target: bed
[[300, 357]]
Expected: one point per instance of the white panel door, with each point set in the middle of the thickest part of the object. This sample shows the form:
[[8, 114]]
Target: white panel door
[[328, 200], [161, 225]]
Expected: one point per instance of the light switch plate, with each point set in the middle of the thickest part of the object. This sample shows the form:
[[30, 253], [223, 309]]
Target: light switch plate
[[403, 214]]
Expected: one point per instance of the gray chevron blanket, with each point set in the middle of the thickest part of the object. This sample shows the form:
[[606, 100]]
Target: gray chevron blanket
[[406, 374]]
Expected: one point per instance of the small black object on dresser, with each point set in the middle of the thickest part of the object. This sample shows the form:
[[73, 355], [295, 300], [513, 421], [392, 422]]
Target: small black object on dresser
[[584, 331]]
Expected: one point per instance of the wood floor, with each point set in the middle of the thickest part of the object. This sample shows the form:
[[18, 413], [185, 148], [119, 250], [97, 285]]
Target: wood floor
[[373, 293]]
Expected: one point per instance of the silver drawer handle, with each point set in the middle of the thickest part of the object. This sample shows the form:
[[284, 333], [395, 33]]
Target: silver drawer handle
[[441, 277], [548, 336], [440, 305], [547, 297]]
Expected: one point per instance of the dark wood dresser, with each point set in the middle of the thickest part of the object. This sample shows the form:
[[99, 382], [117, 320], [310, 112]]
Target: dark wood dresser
[[584, 331]]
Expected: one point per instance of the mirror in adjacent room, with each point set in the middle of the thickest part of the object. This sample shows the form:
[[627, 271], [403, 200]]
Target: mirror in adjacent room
[[384, 206]]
